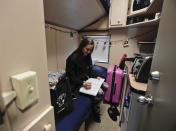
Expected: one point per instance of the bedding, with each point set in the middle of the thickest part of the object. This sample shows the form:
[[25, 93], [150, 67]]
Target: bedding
[[54, 76]]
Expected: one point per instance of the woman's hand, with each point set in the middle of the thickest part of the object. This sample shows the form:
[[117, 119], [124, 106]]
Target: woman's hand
[[53, 84], [105, 85], [87, 85], [99, 78]]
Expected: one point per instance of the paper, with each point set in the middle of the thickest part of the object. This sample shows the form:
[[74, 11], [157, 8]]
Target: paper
[[95, 86]]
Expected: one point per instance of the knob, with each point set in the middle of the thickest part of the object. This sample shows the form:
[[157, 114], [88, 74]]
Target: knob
[[47, 127], [155, 75], [143, 99]]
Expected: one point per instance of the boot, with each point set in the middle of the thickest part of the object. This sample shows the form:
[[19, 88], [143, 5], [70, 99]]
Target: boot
[[96, 118], [96, 113], [113, 112]]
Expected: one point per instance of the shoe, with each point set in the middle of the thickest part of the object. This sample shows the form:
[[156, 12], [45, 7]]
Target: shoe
[[97, 119], [112, 113], [115, 111]]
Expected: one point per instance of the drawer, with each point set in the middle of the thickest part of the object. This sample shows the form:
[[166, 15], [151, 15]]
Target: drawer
[[44, 122]]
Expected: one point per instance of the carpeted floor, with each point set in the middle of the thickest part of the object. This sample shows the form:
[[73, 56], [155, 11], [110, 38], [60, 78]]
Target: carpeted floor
[[106, 123]]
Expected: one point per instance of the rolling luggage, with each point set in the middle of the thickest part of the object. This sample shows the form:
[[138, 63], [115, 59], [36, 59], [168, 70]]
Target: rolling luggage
[[114, 80]]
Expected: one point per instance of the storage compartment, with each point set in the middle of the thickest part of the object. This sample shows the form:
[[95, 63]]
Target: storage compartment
[[137, 19], [118, 15], [146, 47]]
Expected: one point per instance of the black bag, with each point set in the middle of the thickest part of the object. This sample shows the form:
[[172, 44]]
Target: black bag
[[106, 5], [141, 68], [140, 4], [137, 64], [61, 98]]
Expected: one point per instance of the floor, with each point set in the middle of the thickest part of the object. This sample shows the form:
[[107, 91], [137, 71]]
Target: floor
[[106, 123]]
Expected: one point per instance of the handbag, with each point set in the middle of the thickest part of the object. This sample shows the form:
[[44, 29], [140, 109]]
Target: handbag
[[141, 68], [61, 98]]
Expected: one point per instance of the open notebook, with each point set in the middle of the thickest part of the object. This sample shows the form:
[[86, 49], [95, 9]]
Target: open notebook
[[96, 84]]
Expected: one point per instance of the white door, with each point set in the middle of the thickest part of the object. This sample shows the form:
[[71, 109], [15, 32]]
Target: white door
[[162, 115]]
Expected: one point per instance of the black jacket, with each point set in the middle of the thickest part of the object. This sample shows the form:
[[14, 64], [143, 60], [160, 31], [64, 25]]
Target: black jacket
[[78, 69]]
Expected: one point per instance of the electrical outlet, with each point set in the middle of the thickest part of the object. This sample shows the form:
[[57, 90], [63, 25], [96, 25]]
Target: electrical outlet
[[26, 87]]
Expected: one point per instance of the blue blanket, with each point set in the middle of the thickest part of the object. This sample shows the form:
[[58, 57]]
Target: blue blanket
[[73, 121]]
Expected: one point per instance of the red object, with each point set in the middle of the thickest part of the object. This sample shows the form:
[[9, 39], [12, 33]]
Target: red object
[[124, 56]]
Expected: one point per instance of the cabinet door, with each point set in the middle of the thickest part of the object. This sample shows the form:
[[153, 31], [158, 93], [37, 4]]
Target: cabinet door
[[118, 13], [44, 121]]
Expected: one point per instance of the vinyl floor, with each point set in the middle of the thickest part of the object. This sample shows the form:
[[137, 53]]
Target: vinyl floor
[[106, 123]]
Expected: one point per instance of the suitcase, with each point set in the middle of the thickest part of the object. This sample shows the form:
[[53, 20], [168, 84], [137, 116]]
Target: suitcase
[[114, 80]]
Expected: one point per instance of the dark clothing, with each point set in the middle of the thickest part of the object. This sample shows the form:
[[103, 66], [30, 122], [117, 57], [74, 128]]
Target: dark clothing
[[78, 69]]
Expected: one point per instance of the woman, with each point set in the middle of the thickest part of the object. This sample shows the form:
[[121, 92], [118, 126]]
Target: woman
[[79, 69]]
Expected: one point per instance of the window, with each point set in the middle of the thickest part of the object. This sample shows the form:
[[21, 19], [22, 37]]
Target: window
[[101, 48]]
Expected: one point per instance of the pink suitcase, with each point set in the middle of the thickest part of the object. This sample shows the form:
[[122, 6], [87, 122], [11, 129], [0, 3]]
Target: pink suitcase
[[114, 80]]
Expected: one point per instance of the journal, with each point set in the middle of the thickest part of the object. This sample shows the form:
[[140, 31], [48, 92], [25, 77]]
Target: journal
[[96, 84]]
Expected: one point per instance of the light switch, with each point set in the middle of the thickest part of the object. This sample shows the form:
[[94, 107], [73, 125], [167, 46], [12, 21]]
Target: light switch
[[26, 87]]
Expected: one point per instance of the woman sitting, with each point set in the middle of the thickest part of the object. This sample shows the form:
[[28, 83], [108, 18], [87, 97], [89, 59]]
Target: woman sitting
[[79, 69]]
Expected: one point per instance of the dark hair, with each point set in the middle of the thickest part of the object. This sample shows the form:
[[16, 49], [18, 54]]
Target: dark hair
[[84, 43]]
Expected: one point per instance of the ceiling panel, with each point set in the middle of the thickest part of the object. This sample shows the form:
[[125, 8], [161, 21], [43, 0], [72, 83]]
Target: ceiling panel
[[74, 14]]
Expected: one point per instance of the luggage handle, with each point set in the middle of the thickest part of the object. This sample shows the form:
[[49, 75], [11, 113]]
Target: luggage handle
[[113, 84], [115, 67], [114, 88]]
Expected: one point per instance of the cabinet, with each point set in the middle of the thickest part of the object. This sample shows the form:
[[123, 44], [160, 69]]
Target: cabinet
[[118, 13], [131, 114], [44, 122]]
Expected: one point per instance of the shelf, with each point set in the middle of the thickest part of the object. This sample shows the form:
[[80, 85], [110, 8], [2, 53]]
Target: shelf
[[143, 31], [146, 43], [137, 85], [154, 7], [139, 24], [144, 23], [150, 23]]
